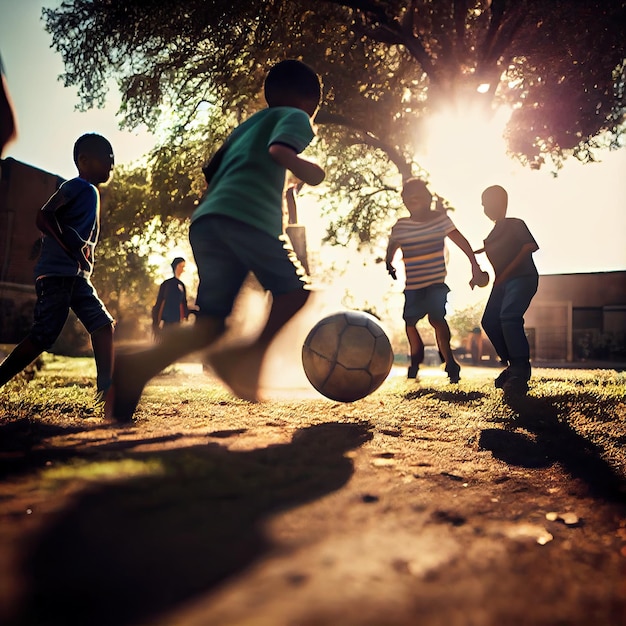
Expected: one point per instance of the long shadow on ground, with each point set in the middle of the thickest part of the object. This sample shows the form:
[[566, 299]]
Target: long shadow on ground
[[554, 440], [127, 551]]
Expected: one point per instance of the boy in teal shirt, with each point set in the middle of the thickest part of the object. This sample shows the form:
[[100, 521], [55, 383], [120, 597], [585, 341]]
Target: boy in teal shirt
[[237, 229]]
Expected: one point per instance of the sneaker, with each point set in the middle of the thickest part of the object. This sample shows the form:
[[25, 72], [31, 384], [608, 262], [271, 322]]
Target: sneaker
[[413, 369], [453, 370], [500, 381]]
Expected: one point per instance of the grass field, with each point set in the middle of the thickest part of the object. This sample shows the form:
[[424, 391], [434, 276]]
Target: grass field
[[447, 502]]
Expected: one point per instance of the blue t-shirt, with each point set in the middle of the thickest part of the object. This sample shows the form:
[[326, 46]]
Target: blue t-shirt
[[248, 184], [76, 205]]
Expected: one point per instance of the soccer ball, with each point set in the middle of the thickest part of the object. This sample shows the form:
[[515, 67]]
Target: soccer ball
[[347, 356]]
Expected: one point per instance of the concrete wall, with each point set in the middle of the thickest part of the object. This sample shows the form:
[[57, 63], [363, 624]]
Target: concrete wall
[[573, 316]]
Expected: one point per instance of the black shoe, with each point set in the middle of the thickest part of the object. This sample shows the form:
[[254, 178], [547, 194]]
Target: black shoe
[[515, 386], [413, 369], [500, 381], [453, 370]]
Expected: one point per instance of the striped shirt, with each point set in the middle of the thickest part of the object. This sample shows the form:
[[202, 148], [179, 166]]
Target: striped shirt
[[423, 249]]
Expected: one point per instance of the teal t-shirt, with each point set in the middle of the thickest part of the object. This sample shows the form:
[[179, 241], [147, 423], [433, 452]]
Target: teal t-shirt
[[248, 185]]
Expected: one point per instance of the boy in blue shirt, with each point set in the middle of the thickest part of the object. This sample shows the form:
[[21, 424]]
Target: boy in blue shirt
[[70, 223], [237, 229]]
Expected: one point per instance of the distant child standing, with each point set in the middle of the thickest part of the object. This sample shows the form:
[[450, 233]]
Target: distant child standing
[[421, 237], [237, 229], [171, 303], [509, 248], [70, 223]]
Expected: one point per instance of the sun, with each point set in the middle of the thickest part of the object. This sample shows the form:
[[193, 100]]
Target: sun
[[463, 147]]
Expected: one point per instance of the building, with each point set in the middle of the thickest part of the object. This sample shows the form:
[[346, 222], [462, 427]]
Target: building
[[24, 189], [575, 317]]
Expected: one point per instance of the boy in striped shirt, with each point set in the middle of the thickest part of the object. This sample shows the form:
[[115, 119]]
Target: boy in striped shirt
[[421, 237]]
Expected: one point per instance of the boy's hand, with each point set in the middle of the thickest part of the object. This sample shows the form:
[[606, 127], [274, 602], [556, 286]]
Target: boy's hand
[[479, 278], [391, 270]]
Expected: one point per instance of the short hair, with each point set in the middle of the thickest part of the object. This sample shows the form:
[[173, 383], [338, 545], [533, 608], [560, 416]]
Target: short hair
[[92, 144], [177, 261], [497, 192], [291, 77], [414, 181]]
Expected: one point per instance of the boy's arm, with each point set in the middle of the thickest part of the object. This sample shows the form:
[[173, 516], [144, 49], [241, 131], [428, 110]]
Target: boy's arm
[[464, 245], [392, 248], [307, 171], [47, 221], [526, 250], [212, 166], [157, 309]]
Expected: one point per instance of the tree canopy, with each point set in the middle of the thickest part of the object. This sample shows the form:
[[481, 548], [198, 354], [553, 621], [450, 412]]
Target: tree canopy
[[197, 66], [385, 64]]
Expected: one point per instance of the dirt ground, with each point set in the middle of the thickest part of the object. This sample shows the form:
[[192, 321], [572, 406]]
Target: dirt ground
[[409, 507]]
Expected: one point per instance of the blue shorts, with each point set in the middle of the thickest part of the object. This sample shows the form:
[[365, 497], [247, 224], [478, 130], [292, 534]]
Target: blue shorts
[[226, 250], [56, 295], [429, 301]]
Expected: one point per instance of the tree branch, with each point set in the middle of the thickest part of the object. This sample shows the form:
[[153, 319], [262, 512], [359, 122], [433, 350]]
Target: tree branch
[[368, 138]]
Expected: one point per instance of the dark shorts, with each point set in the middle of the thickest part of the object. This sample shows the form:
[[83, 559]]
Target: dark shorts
[[429, 301], [56, 295], [226, 250]]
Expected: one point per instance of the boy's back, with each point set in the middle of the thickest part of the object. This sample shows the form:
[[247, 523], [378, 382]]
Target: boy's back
[[248, 185], [77, 204]]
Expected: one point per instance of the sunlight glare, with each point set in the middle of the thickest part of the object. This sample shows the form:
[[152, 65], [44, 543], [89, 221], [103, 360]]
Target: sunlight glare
[[464, 151]]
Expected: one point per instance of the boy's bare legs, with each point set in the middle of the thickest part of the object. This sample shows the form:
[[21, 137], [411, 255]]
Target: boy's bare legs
[[442, 332], [133, 370], [416, 347], [102, 344], [240, 368], [22, 356]]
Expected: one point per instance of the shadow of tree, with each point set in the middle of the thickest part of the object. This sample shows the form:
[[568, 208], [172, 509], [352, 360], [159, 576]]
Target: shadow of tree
[[552, 439], [124, 552]]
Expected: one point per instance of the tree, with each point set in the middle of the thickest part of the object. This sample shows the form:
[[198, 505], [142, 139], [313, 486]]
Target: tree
[[125, 274], [386, 64]]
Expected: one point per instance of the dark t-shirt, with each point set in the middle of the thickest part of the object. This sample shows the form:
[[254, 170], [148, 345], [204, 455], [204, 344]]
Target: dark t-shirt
[[503, 244], [171, 304]]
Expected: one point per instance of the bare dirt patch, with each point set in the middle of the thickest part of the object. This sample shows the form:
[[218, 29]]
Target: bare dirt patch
[[424, 504]]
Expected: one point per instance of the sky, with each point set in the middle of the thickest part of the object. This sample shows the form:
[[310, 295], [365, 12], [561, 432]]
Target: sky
[[577, 218]]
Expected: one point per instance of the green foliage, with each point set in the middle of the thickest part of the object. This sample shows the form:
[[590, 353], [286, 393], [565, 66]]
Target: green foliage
[[463, 321], [386, 66]]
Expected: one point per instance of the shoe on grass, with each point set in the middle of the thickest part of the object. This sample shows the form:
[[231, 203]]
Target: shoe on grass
[[453, 370], [515, 386], [500, 381]]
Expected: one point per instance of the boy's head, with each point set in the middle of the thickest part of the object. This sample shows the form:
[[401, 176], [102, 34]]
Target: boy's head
[[495, 201], [293, 83], [416, 195], [178, 265], [93, 156]]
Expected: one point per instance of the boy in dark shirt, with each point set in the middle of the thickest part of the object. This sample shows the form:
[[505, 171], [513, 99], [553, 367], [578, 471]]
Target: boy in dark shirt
[[509, 248], [171, 303]]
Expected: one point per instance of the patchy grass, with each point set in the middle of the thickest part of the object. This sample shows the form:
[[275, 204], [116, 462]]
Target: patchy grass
[[424, 497]]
